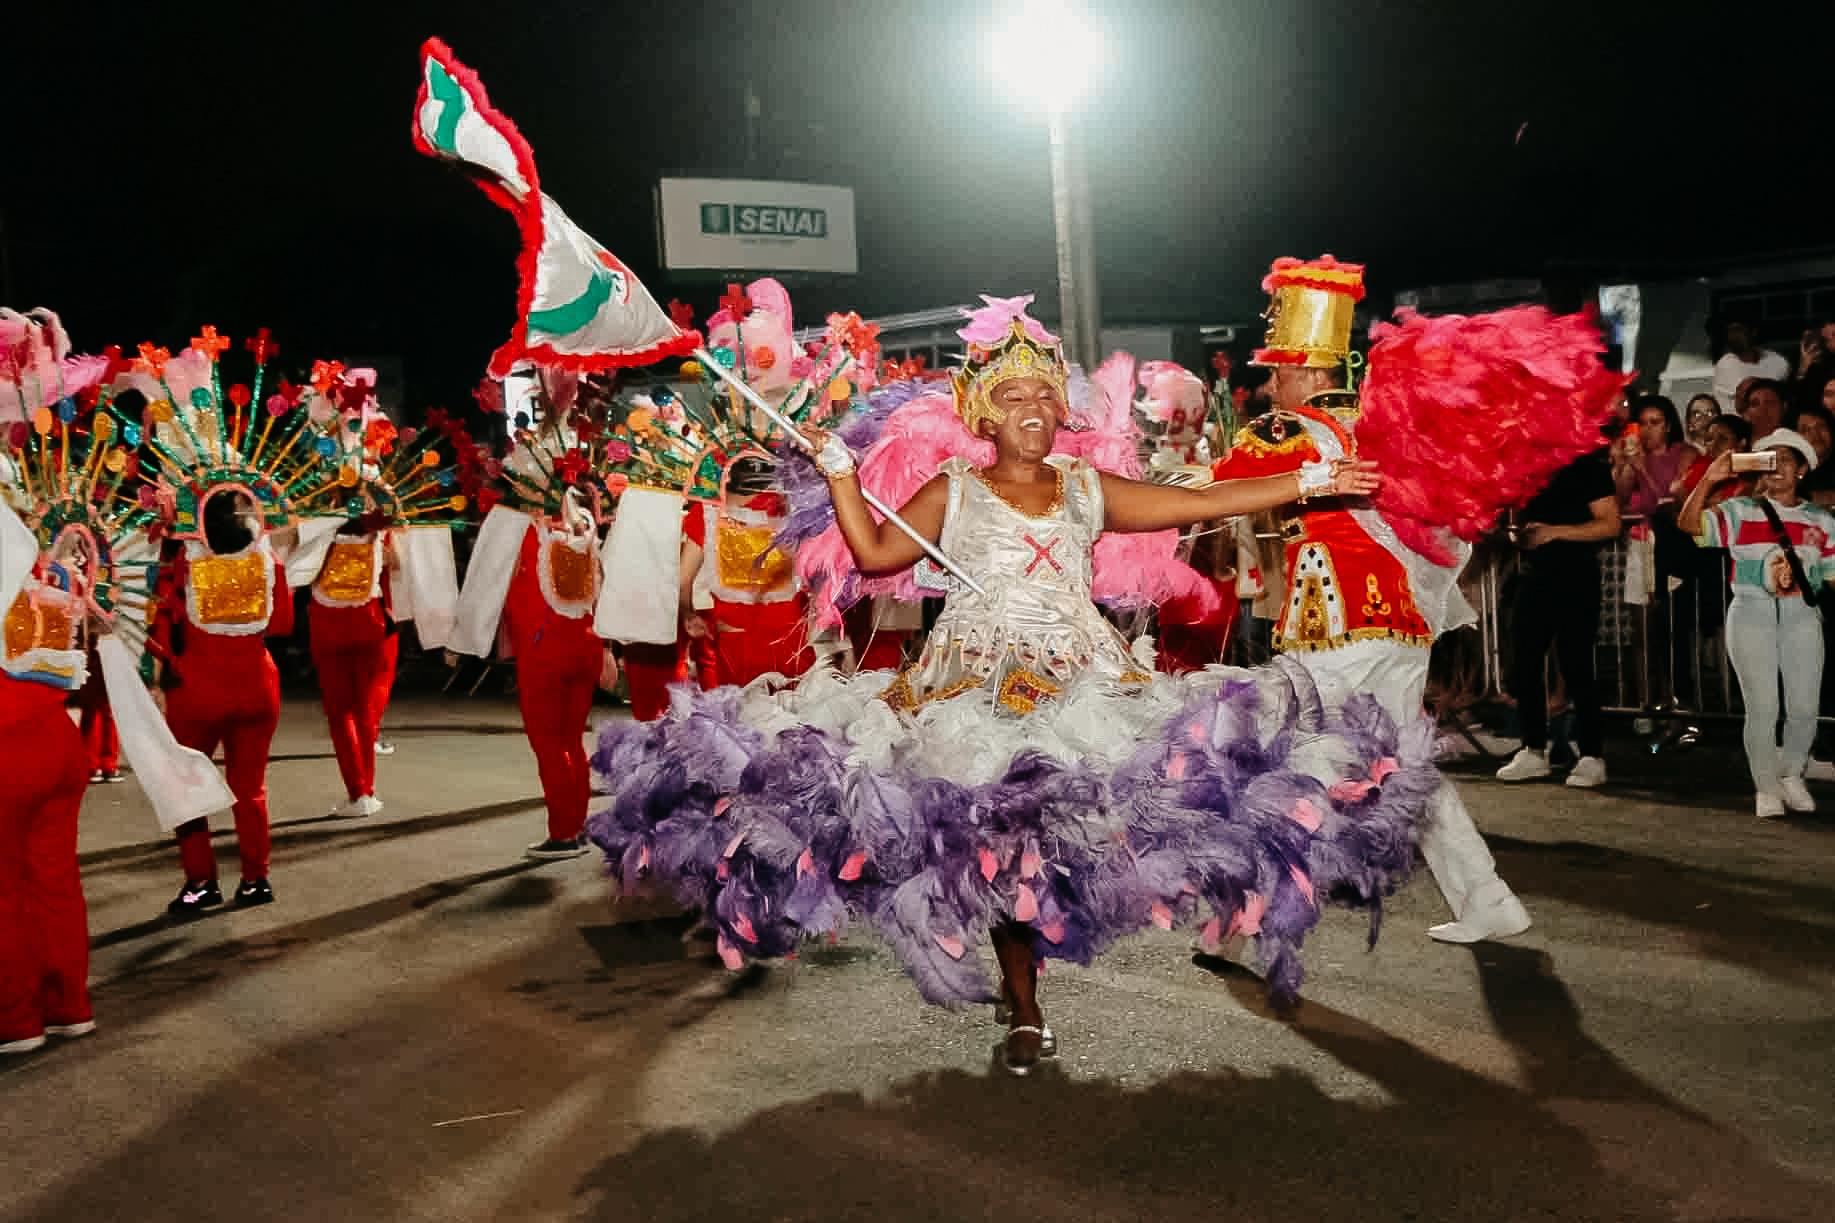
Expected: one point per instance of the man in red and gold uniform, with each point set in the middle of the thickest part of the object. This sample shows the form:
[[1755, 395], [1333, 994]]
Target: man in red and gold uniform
[[1362, 609]]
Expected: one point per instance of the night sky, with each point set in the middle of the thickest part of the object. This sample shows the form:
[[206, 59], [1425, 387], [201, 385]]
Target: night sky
[[172, 164]]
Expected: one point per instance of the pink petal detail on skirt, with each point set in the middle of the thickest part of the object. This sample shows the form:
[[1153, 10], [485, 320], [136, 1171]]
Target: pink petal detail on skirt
[[1306, 815], [643, 858], [1248, 919], [1025, 905], [1351, 791], [856, 862], [952, 946], [742, 926], [1383, 768], [1029, 864], [1053, 934], [729, 955], [1162, 916], [805, 863], [990, 865], [1306, 884], [1211, 935], [1175, 767], [732, 846], [720, 806]]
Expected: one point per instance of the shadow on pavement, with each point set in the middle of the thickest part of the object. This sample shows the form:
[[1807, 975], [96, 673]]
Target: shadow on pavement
[[313, 830], [1783, 929], [1586, 1140]]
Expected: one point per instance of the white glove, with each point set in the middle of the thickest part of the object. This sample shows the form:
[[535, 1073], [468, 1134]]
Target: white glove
[[1316, 478], [835, 459]]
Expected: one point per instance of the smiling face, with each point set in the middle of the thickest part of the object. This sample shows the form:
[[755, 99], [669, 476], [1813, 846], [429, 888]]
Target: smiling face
[[1815, 431], [1033, 411]]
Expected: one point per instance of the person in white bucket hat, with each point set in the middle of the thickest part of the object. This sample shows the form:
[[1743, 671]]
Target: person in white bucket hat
[[1783, 555]]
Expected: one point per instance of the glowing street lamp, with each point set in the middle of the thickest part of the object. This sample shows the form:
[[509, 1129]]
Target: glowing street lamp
[[1047, 56]]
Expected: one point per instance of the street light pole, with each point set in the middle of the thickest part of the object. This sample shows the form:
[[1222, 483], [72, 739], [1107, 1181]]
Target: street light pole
[[1078, 294], [1048, 54]]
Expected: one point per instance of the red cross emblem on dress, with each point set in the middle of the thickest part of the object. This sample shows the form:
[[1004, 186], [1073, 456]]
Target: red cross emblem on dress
[[1042, 554]]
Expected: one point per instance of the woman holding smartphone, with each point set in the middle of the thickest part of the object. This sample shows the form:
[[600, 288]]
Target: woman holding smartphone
[[1783, 553]]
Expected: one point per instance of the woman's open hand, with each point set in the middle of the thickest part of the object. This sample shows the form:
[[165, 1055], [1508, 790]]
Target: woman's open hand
[[1355, 478]]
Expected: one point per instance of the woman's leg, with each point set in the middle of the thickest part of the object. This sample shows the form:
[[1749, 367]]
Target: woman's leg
[[1752, 645], [342, 684], [1015, 948], [1800, 651]]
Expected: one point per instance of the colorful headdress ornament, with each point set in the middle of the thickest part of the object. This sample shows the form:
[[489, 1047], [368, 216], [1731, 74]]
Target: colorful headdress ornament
[[371, 468], [206, 440], [1004, 342], [1310, 313], [66, 460]]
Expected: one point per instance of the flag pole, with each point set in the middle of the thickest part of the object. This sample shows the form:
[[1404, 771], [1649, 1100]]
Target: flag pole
[[708, 361]]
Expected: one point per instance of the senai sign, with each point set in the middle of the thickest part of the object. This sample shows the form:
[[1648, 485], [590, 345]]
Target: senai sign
[[723, 224]]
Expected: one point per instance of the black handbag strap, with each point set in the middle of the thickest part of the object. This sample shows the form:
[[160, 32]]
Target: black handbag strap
[[1790, 551]]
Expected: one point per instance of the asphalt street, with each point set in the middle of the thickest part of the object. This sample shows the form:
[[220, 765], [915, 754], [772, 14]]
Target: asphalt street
[[427, 1027]]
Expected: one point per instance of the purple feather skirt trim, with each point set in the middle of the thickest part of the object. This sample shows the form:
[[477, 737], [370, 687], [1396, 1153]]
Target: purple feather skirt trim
[[1220, 822]]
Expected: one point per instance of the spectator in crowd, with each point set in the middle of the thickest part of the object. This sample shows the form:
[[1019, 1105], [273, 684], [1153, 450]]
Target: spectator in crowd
[[1815, 365], [1650, 463], [1650, 473], [1745, 359], [1763, 404], [1729, 434], [1817, 425], [1783, 552], [1697, 417], [1557, 602]]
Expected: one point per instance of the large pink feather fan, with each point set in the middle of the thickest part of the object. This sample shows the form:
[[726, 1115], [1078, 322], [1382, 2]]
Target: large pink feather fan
[[988, 324], [1469, 416], [1130, 570]]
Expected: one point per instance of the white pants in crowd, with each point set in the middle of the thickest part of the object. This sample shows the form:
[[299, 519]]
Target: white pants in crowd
[[1396, 675], [1768, 638]]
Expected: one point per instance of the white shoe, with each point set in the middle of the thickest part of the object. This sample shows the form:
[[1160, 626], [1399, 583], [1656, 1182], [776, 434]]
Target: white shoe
[[1588, 773], [70, 1031], [1797, 796], [1819, 770], [23, 1045], [1500, 919], [357, 808], [384, 748], [1770, 806], [1526, 765]]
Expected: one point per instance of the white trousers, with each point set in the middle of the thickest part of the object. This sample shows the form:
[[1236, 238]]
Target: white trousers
[[1768, 638], [1396, 675]]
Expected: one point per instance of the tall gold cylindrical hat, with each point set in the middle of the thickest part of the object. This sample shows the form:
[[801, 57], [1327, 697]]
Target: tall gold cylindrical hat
[[1313, 304]]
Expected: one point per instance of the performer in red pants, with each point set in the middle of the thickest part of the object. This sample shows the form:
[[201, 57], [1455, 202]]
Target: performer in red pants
[[100, 739], [225, 595], [44, 935], [558, 663], [648, 672], [354, 648]]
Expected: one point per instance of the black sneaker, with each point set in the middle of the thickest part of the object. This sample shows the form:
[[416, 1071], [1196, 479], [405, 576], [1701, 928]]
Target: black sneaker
[[553, 850], [252, 892], [196, 896]]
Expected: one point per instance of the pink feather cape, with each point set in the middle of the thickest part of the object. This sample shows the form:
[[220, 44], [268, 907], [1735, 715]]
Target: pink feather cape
[[1470, 416], [1129, 570]]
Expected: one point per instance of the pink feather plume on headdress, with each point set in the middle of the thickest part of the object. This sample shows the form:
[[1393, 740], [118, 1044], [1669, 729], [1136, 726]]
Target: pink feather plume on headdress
[[989, 324]]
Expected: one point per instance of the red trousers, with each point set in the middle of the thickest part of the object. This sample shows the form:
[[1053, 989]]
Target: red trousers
[[1191, 640], [99, 737], [556, 701], [354, 684], [44, 927], [237, 709], [757, 639], [648, 672]]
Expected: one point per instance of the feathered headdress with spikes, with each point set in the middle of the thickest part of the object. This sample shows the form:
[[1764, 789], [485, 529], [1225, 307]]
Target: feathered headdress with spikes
[[205, 440], [369, 467]]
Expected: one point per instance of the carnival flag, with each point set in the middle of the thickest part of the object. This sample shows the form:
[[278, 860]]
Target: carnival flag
[[578, 307]]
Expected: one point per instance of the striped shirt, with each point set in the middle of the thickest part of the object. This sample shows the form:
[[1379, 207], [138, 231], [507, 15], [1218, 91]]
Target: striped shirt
[[1741, 528]]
